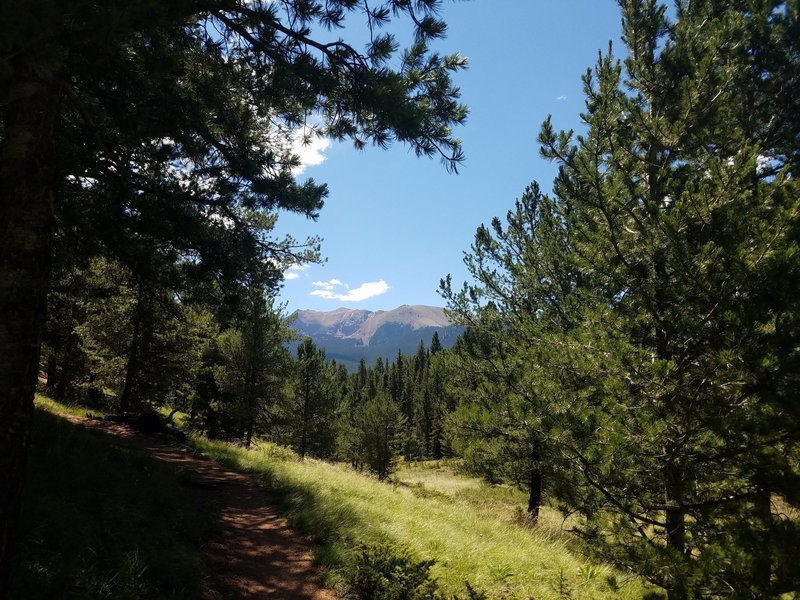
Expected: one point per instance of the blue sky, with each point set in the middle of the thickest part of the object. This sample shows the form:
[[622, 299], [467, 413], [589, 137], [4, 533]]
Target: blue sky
[[394, 224]]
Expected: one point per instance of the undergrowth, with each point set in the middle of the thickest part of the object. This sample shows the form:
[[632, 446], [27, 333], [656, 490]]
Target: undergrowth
[[468, 552], [101, 521]]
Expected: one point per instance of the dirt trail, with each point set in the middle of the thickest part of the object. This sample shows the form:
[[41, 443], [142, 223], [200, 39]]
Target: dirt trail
[[253, 553]]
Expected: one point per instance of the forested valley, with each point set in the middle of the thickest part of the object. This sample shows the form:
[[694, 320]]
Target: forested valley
[[619, 418], [111, 346]]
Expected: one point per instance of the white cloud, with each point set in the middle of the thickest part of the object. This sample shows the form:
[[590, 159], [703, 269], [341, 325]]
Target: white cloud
[[309, 147], [293, 271], [329, 285], [561, 98], [769, 164], [362, 292]]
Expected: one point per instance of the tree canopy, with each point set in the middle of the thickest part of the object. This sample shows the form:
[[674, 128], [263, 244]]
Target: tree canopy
[[641, 312], [160, 133]]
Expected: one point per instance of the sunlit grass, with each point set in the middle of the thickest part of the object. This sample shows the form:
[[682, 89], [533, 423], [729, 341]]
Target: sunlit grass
[[436, 516], [500, 501], [58, 408], [179, 418], [475, 532]]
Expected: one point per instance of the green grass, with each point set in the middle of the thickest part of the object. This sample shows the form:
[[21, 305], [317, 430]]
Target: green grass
[[504, 502], [179, 418], [101, 521], [466, 527], [74, 410], [93, 538]]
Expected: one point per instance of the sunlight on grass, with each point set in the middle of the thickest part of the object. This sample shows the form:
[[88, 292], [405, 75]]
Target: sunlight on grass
[[341, 509], [58, 408], [179, 418], [498, 501]]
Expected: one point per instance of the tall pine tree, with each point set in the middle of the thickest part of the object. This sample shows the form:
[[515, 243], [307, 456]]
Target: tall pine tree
[[682, 211], [172, 121], [646, 314]]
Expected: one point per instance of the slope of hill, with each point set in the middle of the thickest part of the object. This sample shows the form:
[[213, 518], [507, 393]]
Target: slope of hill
[[347, 335], [436, 514], [101, 519]]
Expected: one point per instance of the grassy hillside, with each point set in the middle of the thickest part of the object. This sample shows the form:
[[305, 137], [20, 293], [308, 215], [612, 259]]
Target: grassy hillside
[[101, 521], [104, 522], [443, 478], [472, 531]]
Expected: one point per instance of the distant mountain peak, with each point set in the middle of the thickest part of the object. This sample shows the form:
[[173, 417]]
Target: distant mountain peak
[[349, 334], [362, 324]]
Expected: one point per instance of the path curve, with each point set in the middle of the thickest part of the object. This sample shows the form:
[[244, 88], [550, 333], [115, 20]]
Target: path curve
[[253, 554]]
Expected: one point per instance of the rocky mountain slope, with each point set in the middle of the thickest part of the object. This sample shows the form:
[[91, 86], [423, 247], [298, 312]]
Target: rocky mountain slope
[[347, 335]]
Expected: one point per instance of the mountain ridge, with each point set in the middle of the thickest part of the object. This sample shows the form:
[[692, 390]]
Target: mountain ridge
[[348, 335]]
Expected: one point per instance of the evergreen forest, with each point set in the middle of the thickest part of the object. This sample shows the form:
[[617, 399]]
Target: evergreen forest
[[621, 409]]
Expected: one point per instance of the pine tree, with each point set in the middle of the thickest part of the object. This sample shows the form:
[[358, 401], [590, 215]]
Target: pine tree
[[255, 365], [508, 421], [170, 123], [436, 345], [350, 441], [317, 402], [440, 404], [94, 303], [380, 425], [682, 215], [638, 323]]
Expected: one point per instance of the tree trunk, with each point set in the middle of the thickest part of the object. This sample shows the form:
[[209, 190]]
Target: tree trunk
[[248, 436], [676, 529], [132, 367], [52, 369], [64, 373], [762, 567], [675, 520], [534, 493], [306, 407], [250, 400], [27, 200]]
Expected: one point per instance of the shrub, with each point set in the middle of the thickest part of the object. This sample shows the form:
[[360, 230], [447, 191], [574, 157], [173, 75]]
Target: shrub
[[388, 572]]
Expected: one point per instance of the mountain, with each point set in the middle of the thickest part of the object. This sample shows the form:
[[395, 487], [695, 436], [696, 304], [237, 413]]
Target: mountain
[[347, 335]]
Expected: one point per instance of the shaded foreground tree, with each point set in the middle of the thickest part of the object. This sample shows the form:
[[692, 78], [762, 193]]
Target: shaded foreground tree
[[128, 124], [660, 349], [112, 342], [255, 363]]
